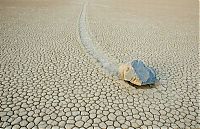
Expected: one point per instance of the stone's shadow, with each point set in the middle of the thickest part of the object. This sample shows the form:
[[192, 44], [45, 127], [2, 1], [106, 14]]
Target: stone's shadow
[[144, 86]]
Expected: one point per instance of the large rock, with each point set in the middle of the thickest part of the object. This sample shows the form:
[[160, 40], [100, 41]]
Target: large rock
[[137, 73]]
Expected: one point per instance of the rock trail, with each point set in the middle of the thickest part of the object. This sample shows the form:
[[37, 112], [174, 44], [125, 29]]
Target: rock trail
[[87, 41]]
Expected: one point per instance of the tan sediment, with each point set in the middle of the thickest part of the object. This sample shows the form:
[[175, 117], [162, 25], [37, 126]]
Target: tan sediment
[[47, 79], [136, 27], [33, 3]]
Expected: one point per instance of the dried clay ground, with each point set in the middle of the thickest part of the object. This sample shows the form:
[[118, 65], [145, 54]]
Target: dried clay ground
[[52, 52]]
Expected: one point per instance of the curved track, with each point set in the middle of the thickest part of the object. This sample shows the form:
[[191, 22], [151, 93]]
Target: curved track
[[91, 47]]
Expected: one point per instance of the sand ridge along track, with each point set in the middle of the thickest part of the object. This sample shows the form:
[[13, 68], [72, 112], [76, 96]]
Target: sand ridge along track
[[86, 40]]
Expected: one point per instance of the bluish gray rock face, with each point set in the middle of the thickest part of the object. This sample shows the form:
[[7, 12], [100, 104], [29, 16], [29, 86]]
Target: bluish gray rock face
[[146, 74]]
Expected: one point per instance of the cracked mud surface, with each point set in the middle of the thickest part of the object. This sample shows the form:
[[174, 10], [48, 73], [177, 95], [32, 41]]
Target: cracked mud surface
[[48, 79]]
